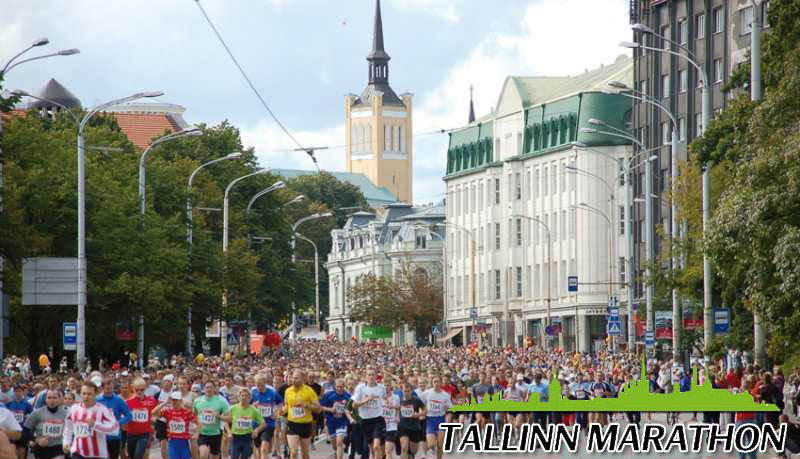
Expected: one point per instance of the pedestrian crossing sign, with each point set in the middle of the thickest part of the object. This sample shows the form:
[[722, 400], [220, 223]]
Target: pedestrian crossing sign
[[613, 328]]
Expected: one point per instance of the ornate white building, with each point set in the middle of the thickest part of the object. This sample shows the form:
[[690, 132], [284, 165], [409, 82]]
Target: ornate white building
[[381, 243]]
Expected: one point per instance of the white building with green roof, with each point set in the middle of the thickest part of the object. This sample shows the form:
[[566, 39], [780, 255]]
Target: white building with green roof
[[510, 178]]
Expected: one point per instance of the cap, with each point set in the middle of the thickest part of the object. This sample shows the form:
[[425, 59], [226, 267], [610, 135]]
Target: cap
[[168, 378], [520, 378], [176, 396], [97, 381], [125, 373]]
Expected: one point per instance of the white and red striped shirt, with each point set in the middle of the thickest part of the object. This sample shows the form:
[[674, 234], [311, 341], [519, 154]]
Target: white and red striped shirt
[[85, 440]]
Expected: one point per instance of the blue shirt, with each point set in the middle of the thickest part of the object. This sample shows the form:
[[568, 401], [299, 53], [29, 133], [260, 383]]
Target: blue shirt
[[120, 410], [266, 403], [330, 399], [686, 383], [20, 409], [543, 389]]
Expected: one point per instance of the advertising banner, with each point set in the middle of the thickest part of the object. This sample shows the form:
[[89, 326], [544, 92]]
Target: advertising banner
[[663, 324]]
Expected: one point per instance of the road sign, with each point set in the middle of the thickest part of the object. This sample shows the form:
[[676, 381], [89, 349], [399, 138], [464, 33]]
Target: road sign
[[649, 338], [49, 281], [613, 312], [572, 284], [70, 340], [233, 340], [613, 301], [722, 320], [473, 313], [613, 328], [436, 331]]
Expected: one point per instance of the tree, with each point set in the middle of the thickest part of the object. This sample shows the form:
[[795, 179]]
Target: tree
[[374, 300]]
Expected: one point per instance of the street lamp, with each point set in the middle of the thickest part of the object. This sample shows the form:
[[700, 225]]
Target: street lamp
[[637, 95], [275, 186], [429, 234], [295, 200], [6, 68], [63, 52], [81, 353], [549, 279], [316, 261], [189, 235], [21, 93], [706, 120]]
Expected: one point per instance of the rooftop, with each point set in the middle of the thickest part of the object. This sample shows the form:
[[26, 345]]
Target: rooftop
[[376, 196]]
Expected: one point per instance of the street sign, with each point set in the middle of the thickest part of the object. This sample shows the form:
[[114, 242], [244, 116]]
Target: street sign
[[473, 313], [49, 281], [436, 331], [613, 301], [649, 338], [70, 339], [572, 284], [722, 320], [614, 328], [233, 340], [613, 312]]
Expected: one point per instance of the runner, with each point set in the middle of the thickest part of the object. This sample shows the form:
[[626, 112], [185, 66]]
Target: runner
[[267, 401], [119, 408], [140, 428], [479, 391], [242, 417], [209, 409], [161, 422], [409, 429], [437, 402], [21, 408], [46, 426], [368, 398], [87, 424], [391, 408], [178, 420], [337, 418], [279, 437], [301, 402]]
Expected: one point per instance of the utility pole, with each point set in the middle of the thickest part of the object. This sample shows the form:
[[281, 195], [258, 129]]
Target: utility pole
[[759, 340]]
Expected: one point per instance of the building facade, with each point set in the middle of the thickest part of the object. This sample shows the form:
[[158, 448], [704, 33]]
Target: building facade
[[381, 244], [378, 125], [717, 33], [513, 178]]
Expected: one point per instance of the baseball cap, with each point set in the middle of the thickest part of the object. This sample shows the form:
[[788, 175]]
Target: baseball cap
[[176, 396]]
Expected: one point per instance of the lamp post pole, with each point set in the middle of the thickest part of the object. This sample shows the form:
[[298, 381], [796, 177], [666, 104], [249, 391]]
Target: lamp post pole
[[759, 339], [295, 235], [316, 277], [82, 283], [189, 236]]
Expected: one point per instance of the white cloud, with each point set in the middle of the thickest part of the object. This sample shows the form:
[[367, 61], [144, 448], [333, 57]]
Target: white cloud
[[445, 9], [556, 37]]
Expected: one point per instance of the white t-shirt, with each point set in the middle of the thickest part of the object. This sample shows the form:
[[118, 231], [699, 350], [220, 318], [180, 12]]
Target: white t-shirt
[[390, 412], [8, 422], [436, 402], [374, 408]]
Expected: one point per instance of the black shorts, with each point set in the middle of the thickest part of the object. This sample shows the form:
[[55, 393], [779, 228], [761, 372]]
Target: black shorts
[[391, 436], [374, 428], [161, 430], [266, 435], [212, 441], [414, 436], [47, 452], [301, 429]]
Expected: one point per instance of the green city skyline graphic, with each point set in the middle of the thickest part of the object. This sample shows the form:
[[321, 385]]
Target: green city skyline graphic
[[636, 397]]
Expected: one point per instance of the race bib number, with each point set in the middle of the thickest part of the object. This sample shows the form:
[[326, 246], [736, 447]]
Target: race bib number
[[391, 426], [372, 403], [406, 411], [338, 408], [19, 416], [244, 423], [580, 394], [140, 415], [265, 410], [208, 417], [389, 414], [298, 412], [435, 408], [52, 429], [341, 431], [177, 427], [82, 430]]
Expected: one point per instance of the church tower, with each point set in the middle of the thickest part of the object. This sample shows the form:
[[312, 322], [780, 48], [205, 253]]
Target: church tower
[[378, 128]]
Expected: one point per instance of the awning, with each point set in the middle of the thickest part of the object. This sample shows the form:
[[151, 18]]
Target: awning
[[450, 334]]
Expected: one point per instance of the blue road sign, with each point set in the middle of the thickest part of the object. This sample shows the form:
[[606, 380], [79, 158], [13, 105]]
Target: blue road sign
[[70, 341], [473, 313], [572, 284], [722, 320], [436, 330], [649, 338], [613, 312], [233, 340], [614, 328]]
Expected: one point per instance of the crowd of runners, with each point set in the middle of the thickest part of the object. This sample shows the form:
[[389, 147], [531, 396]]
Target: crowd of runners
[[365, 399]]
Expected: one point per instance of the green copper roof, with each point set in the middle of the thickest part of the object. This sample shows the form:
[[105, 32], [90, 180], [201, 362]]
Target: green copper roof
[[376, 196]]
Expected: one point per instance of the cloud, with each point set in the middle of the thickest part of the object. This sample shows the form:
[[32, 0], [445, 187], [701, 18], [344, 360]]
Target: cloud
[[445, 9]]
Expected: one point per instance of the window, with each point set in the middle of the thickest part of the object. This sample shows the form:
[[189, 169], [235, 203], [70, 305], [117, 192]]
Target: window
[[683, 31], [519, 282], [497, 191], [535, 183], [643, 86], [544, 181], [562, 179], [510, 187], [480, 239], [466, 290], [719, 19], [518, 185], [527, 184], [621, 220], [402, 140], [387, 139], [746, 20], [717, 70], [554, 227], [529, 290], [564, 230], [700, 26], [482, 294], [510, 233], [497, 236], [572, 178], [421, 242], [622, 270], [682, 128], [466, 244], [519, 232], [537, 281], [480, 196], [664, 33], [496, 284], [572, 222], [698, 123], [684, 79], [665, 134], [473, 202], [765, 13], [665, 86], [519, 143]]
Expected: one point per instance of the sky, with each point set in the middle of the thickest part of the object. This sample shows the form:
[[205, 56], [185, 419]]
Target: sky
[[305, 55]]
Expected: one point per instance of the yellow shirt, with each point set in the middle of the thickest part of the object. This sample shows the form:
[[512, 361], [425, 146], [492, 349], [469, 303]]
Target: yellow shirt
[[294, 397]]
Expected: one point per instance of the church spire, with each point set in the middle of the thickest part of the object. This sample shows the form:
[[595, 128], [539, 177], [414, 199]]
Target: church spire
[[471, 106], [378, 59]]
